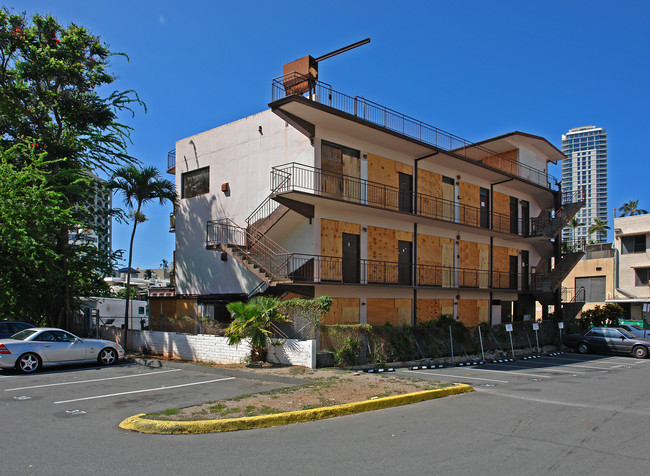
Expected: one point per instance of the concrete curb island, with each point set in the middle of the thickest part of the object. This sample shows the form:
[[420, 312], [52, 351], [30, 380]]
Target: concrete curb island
[[144, 425]]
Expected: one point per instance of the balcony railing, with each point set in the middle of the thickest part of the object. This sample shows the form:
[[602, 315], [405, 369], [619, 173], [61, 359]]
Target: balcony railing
[[171, 159], [387, 118], [328, 269], [304, 178]]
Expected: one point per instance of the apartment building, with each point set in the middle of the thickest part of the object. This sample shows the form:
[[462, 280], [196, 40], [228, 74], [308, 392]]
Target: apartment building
[[632, 243], [396, 220], [585, 167]]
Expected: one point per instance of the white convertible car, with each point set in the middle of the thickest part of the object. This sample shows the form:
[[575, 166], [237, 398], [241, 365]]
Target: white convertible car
[[30, 349]]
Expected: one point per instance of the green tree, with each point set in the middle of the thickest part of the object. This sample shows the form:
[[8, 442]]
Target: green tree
[[32, 213], [253, 320], [54, 96], [600, 227], [573, 224], [139, 187], [629, 208]]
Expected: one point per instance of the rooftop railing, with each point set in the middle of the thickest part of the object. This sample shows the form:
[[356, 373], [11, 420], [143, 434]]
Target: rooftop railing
[[322, 93]]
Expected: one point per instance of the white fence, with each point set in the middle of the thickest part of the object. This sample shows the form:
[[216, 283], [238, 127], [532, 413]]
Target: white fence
[[211, 348]]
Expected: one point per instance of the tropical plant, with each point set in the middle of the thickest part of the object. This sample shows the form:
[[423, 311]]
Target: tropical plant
[[139, 187], [629, 208], [253, 320], [573, 224], [599, 227], [32, 213], [55, 97]]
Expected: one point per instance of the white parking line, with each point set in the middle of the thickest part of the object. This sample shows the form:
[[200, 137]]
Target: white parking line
[[555, 370], [585, 366], [90, 381], [144, 390], [456, 376], [508, 372]]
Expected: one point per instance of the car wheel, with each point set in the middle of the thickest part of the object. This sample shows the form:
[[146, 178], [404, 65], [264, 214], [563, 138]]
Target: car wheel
[[583, 348], [28, 363], [107, 356], [640, 352]]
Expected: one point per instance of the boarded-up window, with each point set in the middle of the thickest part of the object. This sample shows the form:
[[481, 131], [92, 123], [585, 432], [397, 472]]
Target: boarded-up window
[[594, 288]]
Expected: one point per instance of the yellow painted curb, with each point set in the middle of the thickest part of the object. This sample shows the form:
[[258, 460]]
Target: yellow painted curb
[[145, 425]]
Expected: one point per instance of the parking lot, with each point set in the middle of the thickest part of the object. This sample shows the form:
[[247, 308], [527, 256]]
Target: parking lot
[[105, 395], [550, 415]]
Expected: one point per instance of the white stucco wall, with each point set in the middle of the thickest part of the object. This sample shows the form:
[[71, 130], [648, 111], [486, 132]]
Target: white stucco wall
[[242, 156], [215, 349]]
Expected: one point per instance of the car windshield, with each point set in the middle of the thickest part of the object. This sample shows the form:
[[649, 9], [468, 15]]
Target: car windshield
[[22, 335]]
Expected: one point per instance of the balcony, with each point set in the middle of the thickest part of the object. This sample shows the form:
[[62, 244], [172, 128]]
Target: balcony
[[386, 118], [312, 269], [306, 179], [274, 265], [171, 161]]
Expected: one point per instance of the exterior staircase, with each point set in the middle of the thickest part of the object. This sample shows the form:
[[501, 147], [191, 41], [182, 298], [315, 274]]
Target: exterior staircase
[[267, 214], [571, 308], [551, 225], [256, 252], [547, 281]]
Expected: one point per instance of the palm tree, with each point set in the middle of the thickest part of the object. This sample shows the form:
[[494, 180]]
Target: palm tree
[[600, 227], [630, 209], [140, 186], [573, 224], [253, 320]]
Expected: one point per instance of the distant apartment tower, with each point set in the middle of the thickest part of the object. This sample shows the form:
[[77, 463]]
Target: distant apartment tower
[[586, 168], [99, 207]]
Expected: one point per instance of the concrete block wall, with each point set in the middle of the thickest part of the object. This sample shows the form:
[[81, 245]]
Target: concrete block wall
[[211, 348]]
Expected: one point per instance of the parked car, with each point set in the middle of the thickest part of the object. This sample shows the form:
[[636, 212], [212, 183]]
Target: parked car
[[30, 349], [9, 328], [609, 340], [636, 330]]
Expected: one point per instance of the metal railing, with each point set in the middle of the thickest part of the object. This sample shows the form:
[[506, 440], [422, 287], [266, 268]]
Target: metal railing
[[270, 257], [304, 178], [171, 159], [390, 119], [562, 216], [268, 206], [329, 269]]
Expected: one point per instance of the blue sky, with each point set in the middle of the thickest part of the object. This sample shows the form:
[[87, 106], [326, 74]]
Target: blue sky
[[475, 68]]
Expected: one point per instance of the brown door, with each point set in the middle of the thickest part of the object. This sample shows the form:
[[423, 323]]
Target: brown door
[[404, 262], [514, 215], [405, 192], [514, 268], [351, 263], [525, 218], [485, 208]]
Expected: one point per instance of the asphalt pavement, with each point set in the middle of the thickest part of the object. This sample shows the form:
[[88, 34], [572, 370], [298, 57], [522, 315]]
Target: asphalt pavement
[[569, 414]]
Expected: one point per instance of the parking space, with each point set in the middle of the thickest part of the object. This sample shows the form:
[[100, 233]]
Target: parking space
[[108, 394], [549, 370]]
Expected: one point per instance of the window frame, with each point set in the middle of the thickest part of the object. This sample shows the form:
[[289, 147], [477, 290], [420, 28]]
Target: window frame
[[195, 172]]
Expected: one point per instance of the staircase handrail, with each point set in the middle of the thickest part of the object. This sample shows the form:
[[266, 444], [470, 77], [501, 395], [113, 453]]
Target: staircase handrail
[[264, 252], [253, 217]]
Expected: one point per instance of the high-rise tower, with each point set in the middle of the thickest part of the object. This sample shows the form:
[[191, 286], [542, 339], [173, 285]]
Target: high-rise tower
[[586, 168]]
